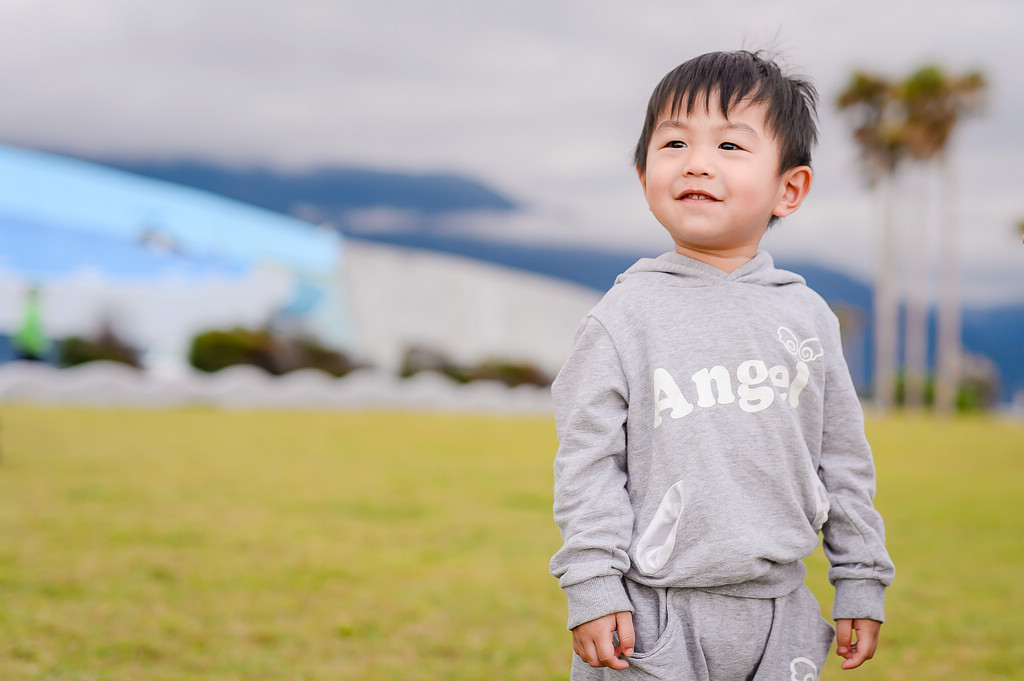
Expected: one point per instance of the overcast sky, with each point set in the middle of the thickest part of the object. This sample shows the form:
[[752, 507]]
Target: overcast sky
[[541, 99]]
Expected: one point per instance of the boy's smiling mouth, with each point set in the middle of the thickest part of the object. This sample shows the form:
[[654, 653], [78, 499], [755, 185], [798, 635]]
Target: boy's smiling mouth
[[696, 196]]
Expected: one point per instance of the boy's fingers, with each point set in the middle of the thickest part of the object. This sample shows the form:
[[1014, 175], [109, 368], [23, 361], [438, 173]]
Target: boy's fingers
[[858, 656], [844, 634], [594, 641], [584, 646], [864, 648], [591, 655], [607, 655], [627, 637]]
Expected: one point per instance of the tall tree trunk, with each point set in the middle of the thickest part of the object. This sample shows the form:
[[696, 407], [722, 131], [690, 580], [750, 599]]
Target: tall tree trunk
[[949, 350], [886, 302], [915, 363]]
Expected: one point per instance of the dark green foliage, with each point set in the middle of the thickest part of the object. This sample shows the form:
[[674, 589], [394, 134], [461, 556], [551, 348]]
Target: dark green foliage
[[107, 346], [977, 391], [418, 358], [215, 350], [313, 355], [509, 372]]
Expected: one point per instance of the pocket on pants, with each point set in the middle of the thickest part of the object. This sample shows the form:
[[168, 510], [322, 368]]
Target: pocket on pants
[[662, 661]]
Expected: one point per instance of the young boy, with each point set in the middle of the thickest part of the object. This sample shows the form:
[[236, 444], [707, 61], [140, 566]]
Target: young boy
[[708, 425]]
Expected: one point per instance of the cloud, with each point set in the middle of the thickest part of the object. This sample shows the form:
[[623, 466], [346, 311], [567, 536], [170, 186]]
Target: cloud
[[542, 100]]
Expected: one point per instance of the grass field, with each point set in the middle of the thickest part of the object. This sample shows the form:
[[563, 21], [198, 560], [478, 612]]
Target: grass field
[[209, 545]]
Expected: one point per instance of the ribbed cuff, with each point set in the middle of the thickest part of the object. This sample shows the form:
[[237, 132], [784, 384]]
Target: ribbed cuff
[[859, 599], [596, 598]]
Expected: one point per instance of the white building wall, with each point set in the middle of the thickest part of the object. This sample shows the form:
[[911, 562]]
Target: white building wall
[[466, 309]]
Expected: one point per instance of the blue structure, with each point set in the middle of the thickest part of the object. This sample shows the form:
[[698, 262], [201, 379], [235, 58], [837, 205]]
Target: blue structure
[[62, 218]]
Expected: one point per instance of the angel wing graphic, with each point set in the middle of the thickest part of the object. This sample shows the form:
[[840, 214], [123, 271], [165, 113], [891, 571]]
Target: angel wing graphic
[[807, 350]]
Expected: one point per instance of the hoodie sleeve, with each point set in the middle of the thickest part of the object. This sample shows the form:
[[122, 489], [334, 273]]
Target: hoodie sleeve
[[591, 504], [854, 535]]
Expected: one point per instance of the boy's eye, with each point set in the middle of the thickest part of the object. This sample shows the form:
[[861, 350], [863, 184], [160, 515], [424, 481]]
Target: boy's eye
[[729, 146], [676, 144]]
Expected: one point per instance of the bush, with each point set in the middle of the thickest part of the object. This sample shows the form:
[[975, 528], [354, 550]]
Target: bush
[[418, 358], [107, 346], [979, 384], [215, 350], [977, 390], [510, 372], [313, 355]]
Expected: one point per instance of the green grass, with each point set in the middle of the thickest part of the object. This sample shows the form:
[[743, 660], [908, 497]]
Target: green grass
[[203, 544], [950, 493]]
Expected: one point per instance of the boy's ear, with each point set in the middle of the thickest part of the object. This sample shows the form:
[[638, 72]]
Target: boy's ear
[[795, 184], [643, 179]]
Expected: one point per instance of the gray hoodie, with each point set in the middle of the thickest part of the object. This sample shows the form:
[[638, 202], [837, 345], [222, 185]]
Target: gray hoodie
[[708, 431]]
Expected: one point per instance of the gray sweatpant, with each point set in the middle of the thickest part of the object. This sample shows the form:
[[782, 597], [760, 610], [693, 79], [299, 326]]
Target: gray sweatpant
[[690, 635]]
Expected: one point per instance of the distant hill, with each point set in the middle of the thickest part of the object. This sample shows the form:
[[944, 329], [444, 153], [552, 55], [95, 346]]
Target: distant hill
[[597, 268], [326, 193]]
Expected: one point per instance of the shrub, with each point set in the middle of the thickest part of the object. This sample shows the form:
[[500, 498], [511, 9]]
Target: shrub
[[977, 390], [509, 372], [314, 355], [418, 358], [979, 386], [215, 350], [107, 346]]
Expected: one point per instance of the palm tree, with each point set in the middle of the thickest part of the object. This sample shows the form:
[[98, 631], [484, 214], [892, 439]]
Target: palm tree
[[918, 224], [935, 102], [872, 103]]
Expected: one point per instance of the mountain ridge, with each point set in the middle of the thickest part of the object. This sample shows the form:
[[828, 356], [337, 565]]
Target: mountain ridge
[[328, 192]]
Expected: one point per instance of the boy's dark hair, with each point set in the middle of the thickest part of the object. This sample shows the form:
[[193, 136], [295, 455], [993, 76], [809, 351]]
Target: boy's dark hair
[[739, 77]]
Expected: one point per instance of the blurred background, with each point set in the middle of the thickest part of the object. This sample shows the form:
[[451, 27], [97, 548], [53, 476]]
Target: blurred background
[[405, 185]]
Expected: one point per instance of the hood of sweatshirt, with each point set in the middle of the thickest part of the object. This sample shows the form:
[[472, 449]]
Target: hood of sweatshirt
[[759, 270]]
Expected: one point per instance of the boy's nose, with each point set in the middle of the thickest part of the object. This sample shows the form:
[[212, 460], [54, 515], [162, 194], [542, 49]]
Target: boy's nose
[[696, 164]]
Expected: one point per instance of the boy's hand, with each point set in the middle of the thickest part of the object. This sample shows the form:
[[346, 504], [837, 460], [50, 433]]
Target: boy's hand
[[859, 651], [592, 641]]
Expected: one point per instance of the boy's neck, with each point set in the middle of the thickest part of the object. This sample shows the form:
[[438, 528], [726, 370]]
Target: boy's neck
[[728, 262]]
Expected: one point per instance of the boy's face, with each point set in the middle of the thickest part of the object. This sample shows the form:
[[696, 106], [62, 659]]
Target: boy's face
[[714, 182]]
